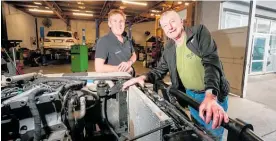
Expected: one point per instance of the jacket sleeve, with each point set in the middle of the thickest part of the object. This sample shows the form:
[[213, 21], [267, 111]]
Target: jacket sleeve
[[210, 59], [160, 71]]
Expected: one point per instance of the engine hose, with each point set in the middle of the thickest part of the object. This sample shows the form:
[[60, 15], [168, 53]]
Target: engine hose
[[82, 107], [70, 118], [67, 88], [88, 93], [77, 85], [35, 112], [106, 120]]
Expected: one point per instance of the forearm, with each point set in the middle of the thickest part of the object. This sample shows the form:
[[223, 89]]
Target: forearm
[[107, 68], [133, 58]]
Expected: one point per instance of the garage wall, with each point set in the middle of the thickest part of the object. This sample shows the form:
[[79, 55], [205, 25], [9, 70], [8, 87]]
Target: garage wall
[[207, 13], [20, 26], [138, 32], [231, 47], [231, 42]]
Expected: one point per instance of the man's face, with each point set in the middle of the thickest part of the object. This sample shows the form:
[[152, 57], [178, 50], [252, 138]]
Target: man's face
[[171, 24], [117, 24]]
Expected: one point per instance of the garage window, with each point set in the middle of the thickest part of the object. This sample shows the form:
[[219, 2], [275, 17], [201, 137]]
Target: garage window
[[233, 20]]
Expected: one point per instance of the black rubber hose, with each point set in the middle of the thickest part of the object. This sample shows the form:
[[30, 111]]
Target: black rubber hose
[[70, 118], [247, 135], [35, 112], [76, 85]]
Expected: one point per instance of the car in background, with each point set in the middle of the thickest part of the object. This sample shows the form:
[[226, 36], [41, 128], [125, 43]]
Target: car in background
[[57, 43], [59, 39]]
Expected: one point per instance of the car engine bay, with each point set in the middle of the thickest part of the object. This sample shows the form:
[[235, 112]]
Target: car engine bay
[[77, 107]]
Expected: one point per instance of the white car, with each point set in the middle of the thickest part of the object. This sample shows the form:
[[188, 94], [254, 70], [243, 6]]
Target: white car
[[59, 40]]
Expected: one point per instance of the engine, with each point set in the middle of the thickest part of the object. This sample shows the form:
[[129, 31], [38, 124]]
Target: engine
[[63, 109], [79, 108]]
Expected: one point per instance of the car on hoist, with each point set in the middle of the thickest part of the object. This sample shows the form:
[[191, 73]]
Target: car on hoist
[[58, 43]]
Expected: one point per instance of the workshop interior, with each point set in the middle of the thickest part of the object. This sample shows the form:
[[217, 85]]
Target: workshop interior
[[50, 89]]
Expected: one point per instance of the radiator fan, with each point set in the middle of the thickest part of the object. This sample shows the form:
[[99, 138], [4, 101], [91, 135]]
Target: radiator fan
[[47, 22]]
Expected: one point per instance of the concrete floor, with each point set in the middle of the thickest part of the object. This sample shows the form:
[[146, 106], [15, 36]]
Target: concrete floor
[[262, 89], [258, 109]]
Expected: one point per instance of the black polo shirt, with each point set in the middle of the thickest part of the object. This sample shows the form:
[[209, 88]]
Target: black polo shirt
[[112, 50]]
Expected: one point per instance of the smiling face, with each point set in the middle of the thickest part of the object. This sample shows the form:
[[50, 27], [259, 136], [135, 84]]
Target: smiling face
[[116, 22], [172, 24]]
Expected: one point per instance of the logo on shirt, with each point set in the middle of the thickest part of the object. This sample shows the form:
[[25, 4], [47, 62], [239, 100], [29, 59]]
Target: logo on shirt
[[117, 52], [190, 56]]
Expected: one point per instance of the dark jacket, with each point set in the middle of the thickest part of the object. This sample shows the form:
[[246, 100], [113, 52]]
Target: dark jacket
[[200, 42]]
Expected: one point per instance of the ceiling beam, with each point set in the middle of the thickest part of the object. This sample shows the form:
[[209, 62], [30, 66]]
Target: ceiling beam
[[105, 9], [53, 6], [139, 18], [75, 6]]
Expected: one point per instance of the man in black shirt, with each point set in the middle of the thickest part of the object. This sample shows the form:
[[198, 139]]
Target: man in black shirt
[[115, 53]]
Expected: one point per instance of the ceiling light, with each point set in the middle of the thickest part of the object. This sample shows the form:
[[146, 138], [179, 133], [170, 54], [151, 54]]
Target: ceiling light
[[155, 11], [186, 3], [37, 3], [152, 14], [135, 3], [41, 11], [81, 7], [83, 14], [157, 15], [180, 2], [47, 7], [122, 7], [76, 10], [32, 6], [79, 2], [89, 11]]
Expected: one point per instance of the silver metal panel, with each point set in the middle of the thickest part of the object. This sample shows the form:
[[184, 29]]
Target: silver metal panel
[[144, 115]]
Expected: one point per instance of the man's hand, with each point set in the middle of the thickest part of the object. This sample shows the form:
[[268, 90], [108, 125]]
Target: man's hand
[[124, 66], [212, 109], [140, 80], [130, 70]]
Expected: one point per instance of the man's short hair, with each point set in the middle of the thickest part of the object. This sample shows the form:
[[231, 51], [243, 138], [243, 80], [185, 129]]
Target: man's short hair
[[116, 11], [167, 12]]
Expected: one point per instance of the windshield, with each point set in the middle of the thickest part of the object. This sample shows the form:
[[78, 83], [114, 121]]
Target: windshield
[[59, 34]]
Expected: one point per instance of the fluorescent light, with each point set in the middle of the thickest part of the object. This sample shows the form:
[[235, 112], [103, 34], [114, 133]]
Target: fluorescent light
[[42, 11], [89, 11], [79, 2], [152, 14], [180, 2], [75, 10], [122, 7], [186, 3], [135, 3], [81, 7], [47, 7], [37, 3], [83, 14], [32, 6], [157, 15], [155, 11]]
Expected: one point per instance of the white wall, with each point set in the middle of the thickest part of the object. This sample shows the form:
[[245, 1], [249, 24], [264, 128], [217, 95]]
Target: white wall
[[231, 45], [208, 14], [20, 26], [57, 24], [138, 32]]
